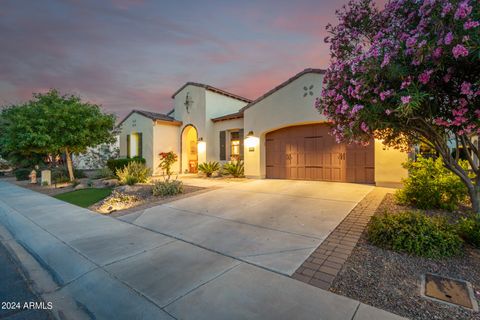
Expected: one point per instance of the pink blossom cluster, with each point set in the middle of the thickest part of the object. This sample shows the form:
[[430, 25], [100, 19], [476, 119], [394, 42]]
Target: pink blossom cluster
[[413, 58]]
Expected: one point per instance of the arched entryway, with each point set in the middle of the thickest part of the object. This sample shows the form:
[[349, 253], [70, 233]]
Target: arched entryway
[[309, 152], [189, 154]]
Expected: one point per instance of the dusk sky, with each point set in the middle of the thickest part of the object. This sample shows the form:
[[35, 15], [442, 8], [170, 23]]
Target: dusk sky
[[126, 54]]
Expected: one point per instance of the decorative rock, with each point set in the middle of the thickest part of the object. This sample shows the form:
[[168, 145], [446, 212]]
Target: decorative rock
[[110, 182], [128, 189], [80, 186]]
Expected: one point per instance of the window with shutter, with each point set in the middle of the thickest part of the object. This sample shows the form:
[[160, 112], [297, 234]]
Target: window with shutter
[[223, 149], [241, 137], [139, 145], [128, 146]]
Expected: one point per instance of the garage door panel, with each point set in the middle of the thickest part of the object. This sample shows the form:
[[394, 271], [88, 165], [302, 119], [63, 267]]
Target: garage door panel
[[314, 173], [310, 152], [370, 175]]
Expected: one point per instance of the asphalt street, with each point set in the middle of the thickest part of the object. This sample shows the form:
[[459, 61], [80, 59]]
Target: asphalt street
[[16, 297]]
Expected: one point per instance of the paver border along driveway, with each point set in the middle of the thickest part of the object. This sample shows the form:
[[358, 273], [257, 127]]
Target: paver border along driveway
[[118, 270], [275, 224]]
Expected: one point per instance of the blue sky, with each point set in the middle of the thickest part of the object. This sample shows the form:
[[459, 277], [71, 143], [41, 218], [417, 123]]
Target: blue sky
[[127, 54]]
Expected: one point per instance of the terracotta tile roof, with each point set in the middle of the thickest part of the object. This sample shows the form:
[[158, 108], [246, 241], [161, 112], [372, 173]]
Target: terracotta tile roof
[[151, 115], [236, 115], [280, 86], [213, 89]]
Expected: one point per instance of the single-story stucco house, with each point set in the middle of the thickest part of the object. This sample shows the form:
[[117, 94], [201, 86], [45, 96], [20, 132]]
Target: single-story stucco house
[[279, 135]]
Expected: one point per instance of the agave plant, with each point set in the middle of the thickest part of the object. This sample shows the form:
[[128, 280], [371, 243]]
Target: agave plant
[[234, 168], [208, 168]]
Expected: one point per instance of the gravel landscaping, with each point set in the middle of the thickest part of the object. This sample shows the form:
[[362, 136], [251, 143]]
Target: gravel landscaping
[[390, 280], [139, 197]]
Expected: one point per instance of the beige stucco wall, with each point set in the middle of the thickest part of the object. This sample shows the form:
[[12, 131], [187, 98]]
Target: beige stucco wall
[[196, 117], [166, 138], [388, 166], [288, 107], [133, 124], [283, 108], [227, 125], [218, 105], [206, 105]]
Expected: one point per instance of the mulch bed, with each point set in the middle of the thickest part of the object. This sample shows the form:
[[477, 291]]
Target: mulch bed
[[391, 281]]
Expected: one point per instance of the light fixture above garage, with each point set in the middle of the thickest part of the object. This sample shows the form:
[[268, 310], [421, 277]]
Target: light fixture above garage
[[251, 141]]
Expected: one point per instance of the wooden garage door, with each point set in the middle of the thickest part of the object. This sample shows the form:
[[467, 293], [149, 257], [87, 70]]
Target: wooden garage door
[[309, 152]]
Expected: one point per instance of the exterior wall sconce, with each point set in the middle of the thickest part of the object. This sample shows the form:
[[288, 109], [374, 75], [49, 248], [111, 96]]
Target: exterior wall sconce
[[251, 141], [202, 145]]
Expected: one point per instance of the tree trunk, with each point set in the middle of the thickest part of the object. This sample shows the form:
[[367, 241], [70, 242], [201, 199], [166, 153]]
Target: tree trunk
[[68, 155], [476, 197]]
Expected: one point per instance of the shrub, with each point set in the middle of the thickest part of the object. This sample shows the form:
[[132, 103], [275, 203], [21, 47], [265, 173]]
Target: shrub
[[79, 174], [415, 233], [234, 168], [431, 185], [208, 168], [167, 159], [134, 172], [116, 164], [22, 174], [469, 230], [167, 188], [104, 173], [59, 175], [61, 179], [4, 164]]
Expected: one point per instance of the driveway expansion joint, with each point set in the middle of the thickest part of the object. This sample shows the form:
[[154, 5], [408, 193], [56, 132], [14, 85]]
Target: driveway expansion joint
[[208, 249], [283, 195], [239, 222], [202, 284]]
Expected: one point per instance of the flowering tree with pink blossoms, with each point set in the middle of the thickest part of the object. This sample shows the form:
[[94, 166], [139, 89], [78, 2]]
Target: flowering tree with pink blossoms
[[407, 74]]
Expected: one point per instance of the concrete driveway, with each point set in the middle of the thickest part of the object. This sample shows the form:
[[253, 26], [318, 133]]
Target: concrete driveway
[[105, 268], [275, 224]]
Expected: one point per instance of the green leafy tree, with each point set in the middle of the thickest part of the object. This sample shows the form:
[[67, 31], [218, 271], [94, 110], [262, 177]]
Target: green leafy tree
[[52, 123]]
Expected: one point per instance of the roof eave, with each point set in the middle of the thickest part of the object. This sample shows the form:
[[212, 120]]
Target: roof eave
[[213, 89]]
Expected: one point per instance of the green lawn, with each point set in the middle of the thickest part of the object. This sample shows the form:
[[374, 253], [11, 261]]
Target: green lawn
[[84, 197]]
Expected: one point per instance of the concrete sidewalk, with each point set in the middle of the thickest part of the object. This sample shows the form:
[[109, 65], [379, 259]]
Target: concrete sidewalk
[[114, 269]]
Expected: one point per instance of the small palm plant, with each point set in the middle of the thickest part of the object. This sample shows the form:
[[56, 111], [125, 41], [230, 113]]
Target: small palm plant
[[208, 168], [234, 168]]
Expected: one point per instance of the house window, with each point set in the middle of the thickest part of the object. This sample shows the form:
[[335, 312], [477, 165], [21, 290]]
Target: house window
[[134, 145], [234, 146]]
